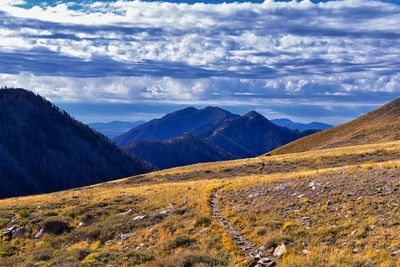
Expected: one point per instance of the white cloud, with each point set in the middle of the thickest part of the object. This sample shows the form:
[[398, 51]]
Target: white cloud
[[238, 53]]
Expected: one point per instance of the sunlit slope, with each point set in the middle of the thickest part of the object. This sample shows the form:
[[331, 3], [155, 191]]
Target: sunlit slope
[[380, 125], [164, 218]]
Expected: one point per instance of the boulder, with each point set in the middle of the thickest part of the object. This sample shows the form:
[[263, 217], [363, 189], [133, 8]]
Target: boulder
[[19, 232], [7, 233], [280, 250], [53, 227]]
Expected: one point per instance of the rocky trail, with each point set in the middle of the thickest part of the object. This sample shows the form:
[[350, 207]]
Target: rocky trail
[[257, 257]]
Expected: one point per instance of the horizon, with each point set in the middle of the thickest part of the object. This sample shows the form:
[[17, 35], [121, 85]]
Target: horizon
[[106, 60]]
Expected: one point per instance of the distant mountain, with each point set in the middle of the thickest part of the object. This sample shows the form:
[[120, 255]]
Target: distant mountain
[[301, 126], [43, 149], [179, 151], [250, 135], [204, 135], [380, 125], [188, 120], [114, 128]]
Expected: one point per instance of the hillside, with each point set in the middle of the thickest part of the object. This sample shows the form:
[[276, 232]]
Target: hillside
[[179, 151], [42, 149], [380, 125], [188, 120], [249, 135], [335, 207]]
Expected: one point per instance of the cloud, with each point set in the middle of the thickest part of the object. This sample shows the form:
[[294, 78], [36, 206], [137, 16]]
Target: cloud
[[244, 53]]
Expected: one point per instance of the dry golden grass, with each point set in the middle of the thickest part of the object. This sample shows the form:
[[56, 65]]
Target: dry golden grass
[[188, 231], [380, 125]]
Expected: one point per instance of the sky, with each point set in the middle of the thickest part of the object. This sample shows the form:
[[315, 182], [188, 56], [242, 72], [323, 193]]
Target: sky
[[327, 61]]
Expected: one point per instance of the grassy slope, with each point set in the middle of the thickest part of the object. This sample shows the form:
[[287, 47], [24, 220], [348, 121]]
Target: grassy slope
[[189, 231], [380, 125]]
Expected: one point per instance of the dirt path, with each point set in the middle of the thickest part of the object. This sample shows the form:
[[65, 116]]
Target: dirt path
[[257, 258]]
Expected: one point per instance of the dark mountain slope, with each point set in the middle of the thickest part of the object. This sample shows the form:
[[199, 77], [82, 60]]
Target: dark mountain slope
[[179, 151], [380, 125], [188, 120], [43, 149], [301, 126], [250, 135]]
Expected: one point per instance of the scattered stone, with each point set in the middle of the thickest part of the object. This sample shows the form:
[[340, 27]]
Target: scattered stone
[[19, 232], [8, 233], [138, 218], [165, 212], [125, 213], [126, 236], [280, 250], [312, 185], [395, 253], [305, 251], [140, 246]]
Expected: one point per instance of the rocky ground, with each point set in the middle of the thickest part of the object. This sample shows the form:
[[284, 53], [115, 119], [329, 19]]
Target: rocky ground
[[348, 218]]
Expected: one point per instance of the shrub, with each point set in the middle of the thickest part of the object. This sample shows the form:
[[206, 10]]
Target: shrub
[[137, 258], [7, 251], [23, 213], [203, 222], [181, 241]]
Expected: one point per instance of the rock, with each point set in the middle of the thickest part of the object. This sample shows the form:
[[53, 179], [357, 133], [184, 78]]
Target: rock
[[53, 227], [126, 236], [125, 213], [395, 253], [138, 218], [305, 251], [19, 232], [312, 185], [140, 246], [280, 250], [7, 233], [165, 212]]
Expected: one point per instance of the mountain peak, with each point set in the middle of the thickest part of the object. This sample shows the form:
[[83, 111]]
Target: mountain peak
[[253, 115]]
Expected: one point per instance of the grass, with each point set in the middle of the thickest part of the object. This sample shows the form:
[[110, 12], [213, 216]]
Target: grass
[[189, 237]]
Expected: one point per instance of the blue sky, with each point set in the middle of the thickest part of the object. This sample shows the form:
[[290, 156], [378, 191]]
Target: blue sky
[[128, 60]]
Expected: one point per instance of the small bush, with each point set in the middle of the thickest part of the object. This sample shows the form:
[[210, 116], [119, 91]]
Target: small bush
[[42, 255], [23, 213], [7, 251], [137, 258], [181, 241], [203, 222]]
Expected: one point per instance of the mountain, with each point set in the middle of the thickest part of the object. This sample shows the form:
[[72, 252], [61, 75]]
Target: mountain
[[301, 126], [193, 135], [380, 125], [43, 149], [188, 120], [250, 135], [114, 128], [179, 151]]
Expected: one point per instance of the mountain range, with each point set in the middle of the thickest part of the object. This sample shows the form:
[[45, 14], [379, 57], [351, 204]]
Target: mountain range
[[43, 149], [380, 125], [193, 135], [301, 126]]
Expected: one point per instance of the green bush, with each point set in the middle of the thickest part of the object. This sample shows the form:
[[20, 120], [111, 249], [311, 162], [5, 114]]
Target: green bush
[[203, 222], [7, 251]]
